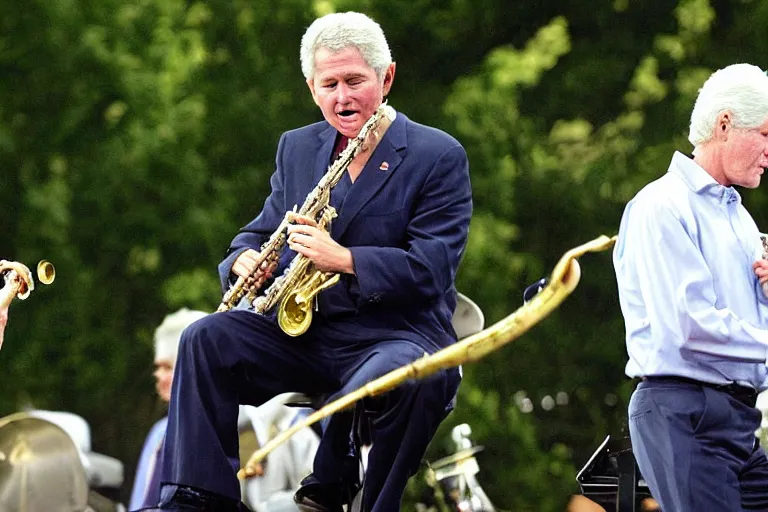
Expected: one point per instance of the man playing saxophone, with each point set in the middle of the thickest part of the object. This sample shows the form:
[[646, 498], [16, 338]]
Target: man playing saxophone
[[402, 211]]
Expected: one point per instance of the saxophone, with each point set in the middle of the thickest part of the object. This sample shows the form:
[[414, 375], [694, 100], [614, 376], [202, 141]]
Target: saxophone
[[296, 289]]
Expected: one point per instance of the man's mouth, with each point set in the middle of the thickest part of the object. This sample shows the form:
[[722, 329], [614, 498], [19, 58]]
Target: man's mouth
[[347, 113]]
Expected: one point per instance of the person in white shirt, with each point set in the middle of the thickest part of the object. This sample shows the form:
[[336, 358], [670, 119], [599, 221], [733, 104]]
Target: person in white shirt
[[690, 270], [286, 466]]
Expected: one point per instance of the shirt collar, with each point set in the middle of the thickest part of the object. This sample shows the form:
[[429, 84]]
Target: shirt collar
[[700, 181]]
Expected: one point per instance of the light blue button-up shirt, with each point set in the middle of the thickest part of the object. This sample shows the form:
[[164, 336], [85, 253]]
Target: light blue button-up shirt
[[692, 304]]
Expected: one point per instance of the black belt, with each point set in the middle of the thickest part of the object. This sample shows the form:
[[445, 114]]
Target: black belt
[[743, 394]]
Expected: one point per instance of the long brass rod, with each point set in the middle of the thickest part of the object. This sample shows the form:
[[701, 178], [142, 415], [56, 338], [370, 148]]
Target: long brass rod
[[563, 280]]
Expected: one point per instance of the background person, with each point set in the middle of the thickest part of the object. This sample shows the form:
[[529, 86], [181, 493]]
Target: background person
[[286, 466], [167, 335]]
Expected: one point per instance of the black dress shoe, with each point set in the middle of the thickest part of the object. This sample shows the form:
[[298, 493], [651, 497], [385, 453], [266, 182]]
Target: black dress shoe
[[188, 499], [315, 496]]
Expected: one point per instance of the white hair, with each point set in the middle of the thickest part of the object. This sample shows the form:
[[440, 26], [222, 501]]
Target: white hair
[[338, 31], [741, 89], [168, 333]]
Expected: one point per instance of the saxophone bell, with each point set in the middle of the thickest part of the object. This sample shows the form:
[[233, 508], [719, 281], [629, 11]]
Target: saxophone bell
[[294, 314]]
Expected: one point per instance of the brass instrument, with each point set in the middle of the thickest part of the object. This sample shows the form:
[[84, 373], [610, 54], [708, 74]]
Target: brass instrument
[[561, 283], [296, 289], [19, 277], [40, 467], [301, 283]]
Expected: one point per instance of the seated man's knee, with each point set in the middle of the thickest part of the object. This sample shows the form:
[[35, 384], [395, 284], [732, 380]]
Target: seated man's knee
[[440, 387], [201, 338]]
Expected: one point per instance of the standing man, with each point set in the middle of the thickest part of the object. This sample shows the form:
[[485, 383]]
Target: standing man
[[689, 267], [404, 206]]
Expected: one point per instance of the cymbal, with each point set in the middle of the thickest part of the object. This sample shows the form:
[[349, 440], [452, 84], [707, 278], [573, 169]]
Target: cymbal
[[40, 467]]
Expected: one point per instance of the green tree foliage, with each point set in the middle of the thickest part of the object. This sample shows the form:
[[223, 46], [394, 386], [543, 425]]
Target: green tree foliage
[[136, 137]]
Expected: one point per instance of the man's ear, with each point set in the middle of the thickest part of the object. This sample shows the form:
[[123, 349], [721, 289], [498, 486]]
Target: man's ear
[[389, 77], [311, 85], [724, 126]]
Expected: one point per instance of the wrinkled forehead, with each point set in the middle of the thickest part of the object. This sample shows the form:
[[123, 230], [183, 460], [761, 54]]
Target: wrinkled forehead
[[345, 62], [349, 53]]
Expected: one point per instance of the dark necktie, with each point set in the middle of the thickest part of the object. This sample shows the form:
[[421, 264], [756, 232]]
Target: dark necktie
[[341, 145]]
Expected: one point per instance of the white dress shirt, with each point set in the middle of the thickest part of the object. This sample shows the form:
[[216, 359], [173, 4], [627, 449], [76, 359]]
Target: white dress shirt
[[692, 304]]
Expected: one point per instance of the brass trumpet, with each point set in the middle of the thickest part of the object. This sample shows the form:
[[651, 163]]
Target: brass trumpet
[[46, 272], [560, 284], [11, 270]]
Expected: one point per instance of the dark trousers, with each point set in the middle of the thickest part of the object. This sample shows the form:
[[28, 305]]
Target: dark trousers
[[237, 357], [696, 448]]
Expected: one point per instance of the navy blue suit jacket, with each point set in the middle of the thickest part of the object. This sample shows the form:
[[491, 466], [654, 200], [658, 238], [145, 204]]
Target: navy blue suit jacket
[[405, 223]]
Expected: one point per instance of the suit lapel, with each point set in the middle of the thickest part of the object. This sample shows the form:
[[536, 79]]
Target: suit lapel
[[326, 140], [377, 171]]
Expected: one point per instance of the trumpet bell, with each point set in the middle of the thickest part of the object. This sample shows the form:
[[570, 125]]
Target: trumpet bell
[[46, 272]]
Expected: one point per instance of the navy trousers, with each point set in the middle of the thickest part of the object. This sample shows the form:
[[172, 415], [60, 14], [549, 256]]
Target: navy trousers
[[238, 357], [696, 448]]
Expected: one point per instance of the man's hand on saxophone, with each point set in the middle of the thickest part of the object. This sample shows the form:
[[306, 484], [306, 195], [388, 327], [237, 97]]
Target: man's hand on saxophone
[[245, 265], [305, 237]]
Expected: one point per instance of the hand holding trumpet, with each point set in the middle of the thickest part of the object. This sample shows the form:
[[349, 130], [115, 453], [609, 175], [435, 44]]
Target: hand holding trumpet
[[18, 282]]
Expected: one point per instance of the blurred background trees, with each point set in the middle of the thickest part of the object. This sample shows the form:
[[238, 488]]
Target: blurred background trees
[[136, 137]]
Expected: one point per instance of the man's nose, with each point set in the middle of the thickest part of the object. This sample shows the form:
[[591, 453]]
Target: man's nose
[[342, 92]]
